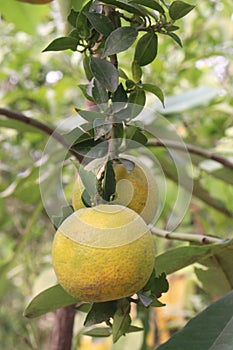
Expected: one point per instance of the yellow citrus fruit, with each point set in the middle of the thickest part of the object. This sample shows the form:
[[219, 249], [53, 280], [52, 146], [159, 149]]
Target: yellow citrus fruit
[[103, 253], [136, 188]]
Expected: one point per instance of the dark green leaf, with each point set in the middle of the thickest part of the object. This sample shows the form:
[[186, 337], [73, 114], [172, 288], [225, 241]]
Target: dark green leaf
[[99, 332], [86, 66], [49, 300], [121, 319], [72, 18], [179, 9], [131, 8], [91, 115], [86, 199], [88, 179], [210, 330], [133, 329], [109, 185], [119, 40], [120, 95], [66, 211], [136, 135], [99, 93], [100, 22], [105, 72], [176, 38], [137, 97], [63, 43], [146, 49], [100, 312], [136, 71], [151, 4], [155, 90], [177, 258], [101, 128]]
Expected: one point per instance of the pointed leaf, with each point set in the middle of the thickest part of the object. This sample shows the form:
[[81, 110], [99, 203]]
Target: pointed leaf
[[63, 43], [136, 71], [179, 9], [100, 22], [109, 185], [49, 300], [100, 312], [146, 49], [155, 90], [119, 40], [151, 4], [121, 319], [99, 332], [176, 38], [205, 330], [88, 179], [91, 115], [105, 72], [131, 8]]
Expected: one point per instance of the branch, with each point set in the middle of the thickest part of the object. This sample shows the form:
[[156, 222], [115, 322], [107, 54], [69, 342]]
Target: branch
[[40, 126], [190, 237], [192, 149]]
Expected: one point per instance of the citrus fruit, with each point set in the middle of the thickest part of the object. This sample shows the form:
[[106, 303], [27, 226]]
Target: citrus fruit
[[103, 253], [135, 188]]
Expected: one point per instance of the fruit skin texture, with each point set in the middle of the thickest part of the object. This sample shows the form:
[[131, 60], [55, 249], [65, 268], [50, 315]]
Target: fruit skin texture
[[108, 271], [136, 189]]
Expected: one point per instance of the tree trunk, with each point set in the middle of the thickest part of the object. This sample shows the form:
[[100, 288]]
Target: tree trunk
[[62, 333]]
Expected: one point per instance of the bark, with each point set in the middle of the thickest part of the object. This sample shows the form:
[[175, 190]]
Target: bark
[[62, 333]]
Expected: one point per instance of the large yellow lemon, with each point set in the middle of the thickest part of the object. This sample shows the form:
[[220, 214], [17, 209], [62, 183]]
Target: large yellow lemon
[[136, 188], [103, 253]]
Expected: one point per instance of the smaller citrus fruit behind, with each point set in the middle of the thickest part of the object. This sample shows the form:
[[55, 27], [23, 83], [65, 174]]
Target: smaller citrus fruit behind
[[136, 188], [103, 253]]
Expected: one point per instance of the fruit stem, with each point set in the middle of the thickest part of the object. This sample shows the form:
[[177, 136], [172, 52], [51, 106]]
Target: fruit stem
[[113, 141]]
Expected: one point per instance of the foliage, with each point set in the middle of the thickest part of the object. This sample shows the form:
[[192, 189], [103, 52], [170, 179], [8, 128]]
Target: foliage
[[195, 88]]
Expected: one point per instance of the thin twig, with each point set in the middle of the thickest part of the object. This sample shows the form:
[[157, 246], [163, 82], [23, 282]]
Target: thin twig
[[40, 126], [188, 237], [192, 149]]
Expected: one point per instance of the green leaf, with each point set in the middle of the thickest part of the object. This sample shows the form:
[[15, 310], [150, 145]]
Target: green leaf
[[136, 71], [105, 72], [49, 300], [99, 332], [155, 90], [176, 38], [137, 97], [91, 115], [119, 40], [177, 258], [84, 89], [72, 17], [86, 66], [88, 179], [100, 22], [99, 93], [179, 9], [101, 128], [121, 319], [151, 4], [146, 49], [137, 10], [132, 133], [210, 330], [100, 312], [63, 43], [109, 185], [120, 95]]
